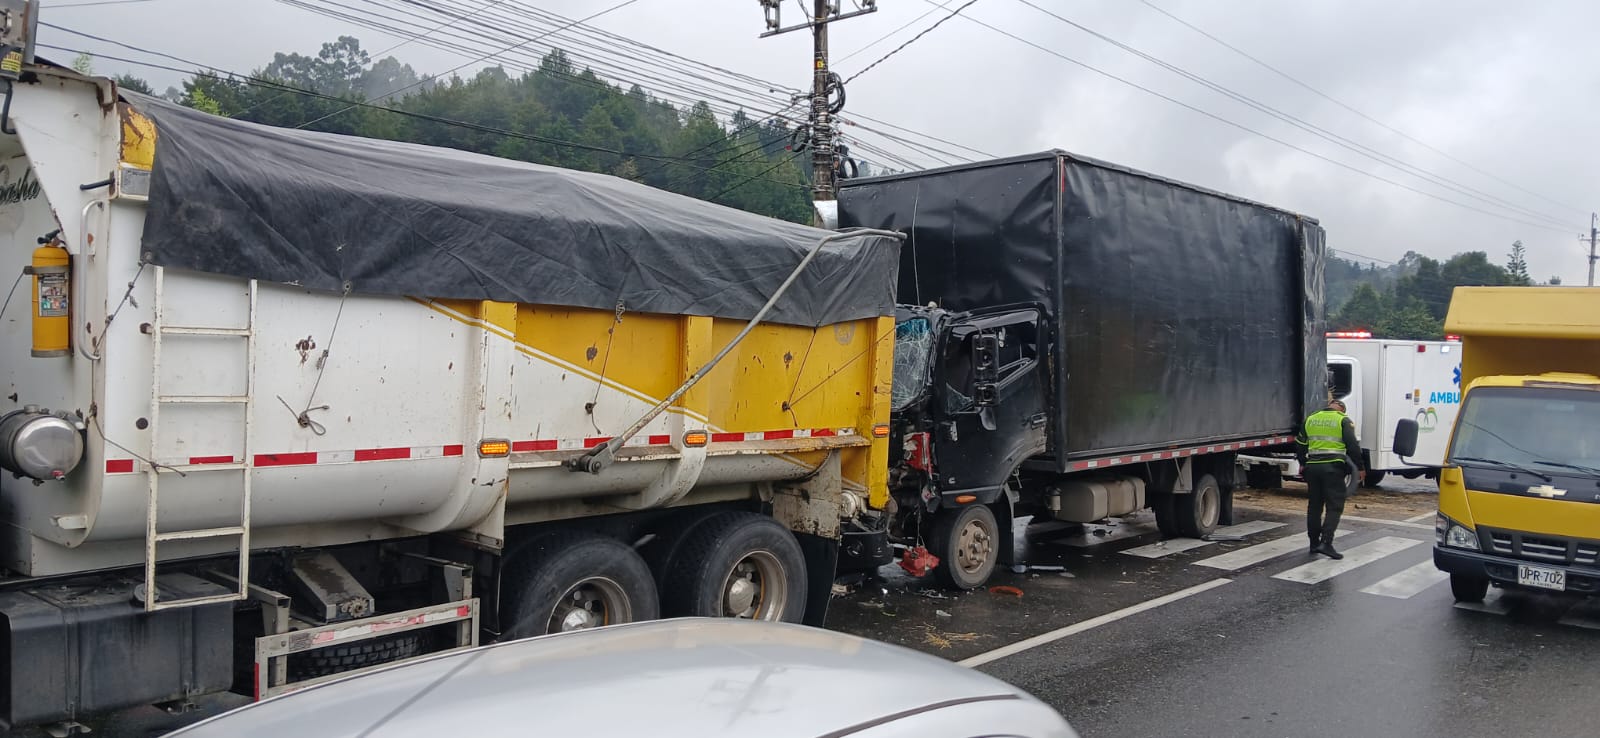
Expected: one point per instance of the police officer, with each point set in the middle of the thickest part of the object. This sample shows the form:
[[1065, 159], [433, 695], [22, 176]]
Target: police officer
[[1329, 453]]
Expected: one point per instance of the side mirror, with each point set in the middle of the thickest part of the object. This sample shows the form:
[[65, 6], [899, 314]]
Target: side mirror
[[985, 359], [1405, 438]]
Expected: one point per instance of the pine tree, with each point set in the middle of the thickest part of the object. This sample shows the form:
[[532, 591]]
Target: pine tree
[[1517, 267]]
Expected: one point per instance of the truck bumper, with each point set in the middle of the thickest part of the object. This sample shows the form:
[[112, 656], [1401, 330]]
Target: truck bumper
[[77, 648], [1502, 570]]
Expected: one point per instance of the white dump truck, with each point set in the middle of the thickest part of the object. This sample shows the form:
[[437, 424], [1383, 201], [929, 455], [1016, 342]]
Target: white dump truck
[[280, 405]]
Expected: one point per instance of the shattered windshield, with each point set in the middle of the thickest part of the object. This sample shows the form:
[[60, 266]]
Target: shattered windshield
[[913, 347]]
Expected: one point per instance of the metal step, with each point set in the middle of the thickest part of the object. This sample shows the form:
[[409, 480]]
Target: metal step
[[205, 399], [194, 330], [185, 535]]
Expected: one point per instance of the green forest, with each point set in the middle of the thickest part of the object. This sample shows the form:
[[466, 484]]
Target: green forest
[[1409, 298], [563, 116], [556, 114]]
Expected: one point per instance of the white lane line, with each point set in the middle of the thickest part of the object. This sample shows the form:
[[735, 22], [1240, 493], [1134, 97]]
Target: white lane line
[[1422, 517], [1252, 555], [1090, 624], [1409, 583], [1366, 553], [1495, 604], [1179, 545], [1381, 521]]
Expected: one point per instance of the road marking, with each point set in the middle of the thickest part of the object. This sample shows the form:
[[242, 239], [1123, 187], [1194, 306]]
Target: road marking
[[1422, 517], [1179, 545], [1409, 583], [1090, 624], [1495, 605], [1382, 521], [1366, 553], [1252, 555]]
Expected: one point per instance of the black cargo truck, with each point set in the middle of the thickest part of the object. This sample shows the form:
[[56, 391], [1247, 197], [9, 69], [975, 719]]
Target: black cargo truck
[[1077, 341]]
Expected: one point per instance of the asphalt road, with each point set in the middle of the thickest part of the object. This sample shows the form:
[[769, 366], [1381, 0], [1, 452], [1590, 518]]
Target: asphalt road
[[1253, 644]]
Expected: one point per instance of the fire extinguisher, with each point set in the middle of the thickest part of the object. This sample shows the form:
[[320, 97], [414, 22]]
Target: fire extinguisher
[[52, 298]]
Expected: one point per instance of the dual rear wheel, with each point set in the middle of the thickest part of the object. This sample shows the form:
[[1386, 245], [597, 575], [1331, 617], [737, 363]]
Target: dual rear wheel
[[730, 564]]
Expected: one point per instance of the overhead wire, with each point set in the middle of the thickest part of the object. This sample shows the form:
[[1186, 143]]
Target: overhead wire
[[1369, 118], [1341, 141], [910, 41], [1242, 127]]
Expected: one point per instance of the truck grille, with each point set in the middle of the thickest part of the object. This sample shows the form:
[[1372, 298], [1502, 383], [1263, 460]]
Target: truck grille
[[1555, 549]]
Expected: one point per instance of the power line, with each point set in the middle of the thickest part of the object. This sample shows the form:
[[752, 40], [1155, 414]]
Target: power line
[[1341, 141], [912, 40], [1252, 131], [887, 36], [94, 4], [1354, 110], [271, 84], [403, 88]]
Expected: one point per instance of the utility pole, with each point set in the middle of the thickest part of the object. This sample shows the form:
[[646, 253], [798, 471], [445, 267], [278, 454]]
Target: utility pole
[[824, 83], [1593, 230]]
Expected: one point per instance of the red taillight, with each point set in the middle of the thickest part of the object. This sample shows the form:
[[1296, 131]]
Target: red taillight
[[919, 454]]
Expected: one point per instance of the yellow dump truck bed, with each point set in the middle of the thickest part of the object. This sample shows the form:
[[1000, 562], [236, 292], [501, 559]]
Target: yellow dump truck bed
[[1526, 330]]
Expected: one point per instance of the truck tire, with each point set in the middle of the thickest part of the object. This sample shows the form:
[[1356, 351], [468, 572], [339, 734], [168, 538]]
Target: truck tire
[[338, 659], [1468, 588], [574, 581], [966, 540], [737, 565], [1374, 478], [1197, 513], [1162, 504]]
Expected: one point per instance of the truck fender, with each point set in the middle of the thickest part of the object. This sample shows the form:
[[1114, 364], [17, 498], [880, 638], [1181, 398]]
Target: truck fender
[[1003, 517]]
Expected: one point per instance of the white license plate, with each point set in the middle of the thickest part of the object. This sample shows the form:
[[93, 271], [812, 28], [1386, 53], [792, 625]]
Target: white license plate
[[1538, 576]]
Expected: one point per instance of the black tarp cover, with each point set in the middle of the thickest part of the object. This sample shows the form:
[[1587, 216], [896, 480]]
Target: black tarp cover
[[1181, 315], [323, 210]]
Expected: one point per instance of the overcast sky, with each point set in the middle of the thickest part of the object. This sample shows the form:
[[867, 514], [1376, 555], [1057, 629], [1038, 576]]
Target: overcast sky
[[1508, 90]]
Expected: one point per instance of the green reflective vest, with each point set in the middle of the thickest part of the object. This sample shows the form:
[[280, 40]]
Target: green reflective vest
[[1325, 437]]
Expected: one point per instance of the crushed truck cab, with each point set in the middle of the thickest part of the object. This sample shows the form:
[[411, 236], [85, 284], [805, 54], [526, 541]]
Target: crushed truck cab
[[1519, 495]]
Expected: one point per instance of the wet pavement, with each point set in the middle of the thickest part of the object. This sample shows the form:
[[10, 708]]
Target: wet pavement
[[1135, 636]]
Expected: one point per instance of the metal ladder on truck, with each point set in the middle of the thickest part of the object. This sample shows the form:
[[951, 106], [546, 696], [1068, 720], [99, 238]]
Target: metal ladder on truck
[[241, 467]]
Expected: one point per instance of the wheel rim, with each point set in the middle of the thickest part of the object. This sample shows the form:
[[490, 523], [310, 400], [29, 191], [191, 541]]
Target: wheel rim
[[974, 546], [1210, 506], [756, 589], [591, 603]]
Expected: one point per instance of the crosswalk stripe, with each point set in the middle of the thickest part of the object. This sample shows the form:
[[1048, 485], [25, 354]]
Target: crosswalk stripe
[[1366, 553], [1252, 555], [1583, 615], [1408, 583], [1179, 545], [1494, 605]]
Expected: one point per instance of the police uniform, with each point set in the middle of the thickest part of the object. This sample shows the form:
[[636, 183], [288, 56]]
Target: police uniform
[[1329, 454]]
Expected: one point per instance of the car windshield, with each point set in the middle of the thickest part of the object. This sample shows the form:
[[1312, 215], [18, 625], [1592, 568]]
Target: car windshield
[[913, 349], [1549, 429]]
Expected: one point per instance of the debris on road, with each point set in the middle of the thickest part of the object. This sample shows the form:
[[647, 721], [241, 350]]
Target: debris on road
[[1004, 589]]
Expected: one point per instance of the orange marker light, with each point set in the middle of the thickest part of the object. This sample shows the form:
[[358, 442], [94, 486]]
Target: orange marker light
[[495, 447], [966, 499], [696, 438], [881, 430]]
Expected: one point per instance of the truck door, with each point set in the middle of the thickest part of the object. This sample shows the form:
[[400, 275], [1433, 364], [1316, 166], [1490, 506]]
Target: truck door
[[993, 415]]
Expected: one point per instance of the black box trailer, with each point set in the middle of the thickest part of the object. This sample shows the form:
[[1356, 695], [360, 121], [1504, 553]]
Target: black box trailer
[[1081, 340]]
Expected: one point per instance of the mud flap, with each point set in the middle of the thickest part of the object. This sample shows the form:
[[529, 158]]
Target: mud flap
[[822, 556]]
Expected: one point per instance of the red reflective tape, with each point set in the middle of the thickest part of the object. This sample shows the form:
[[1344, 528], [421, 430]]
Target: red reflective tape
[[119, 466], [286, 459], [592, 442], [456, 450], [464, 611], [210, 459], [526, 446], [382, 454], [777, 435], [659, 440], [815, 432], [726, 437]]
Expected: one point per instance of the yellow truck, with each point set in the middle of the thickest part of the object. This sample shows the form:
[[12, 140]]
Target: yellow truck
[[1519, 495]]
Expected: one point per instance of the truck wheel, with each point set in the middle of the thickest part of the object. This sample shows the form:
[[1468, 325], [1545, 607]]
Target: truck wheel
[[1162, 504], [574, 581], [967, 542], [1468, 588], [1198, 512], [1374, 478], [737, 565]]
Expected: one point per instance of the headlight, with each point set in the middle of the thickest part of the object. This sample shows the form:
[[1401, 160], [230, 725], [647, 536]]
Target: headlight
[[36, 444], [1460, 537], [1441, 525]]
